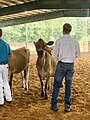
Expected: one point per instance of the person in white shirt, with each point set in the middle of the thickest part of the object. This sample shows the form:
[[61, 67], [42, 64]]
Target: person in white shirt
[[65, 50]]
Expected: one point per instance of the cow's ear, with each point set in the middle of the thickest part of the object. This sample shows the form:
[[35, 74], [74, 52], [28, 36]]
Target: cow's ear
[[50, 43]]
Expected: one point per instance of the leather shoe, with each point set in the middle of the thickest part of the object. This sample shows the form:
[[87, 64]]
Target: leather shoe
[[54, 109], [8, 101], [67, 108]]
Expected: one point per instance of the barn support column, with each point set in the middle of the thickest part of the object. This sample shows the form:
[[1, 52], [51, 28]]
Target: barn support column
[[26, 25]]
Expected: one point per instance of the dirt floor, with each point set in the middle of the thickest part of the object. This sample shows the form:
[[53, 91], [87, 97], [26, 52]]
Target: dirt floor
[[28, 105]]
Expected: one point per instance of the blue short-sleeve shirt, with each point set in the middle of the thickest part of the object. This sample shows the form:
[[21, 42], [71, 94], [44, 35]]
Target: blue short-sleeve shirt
[[5, 51]]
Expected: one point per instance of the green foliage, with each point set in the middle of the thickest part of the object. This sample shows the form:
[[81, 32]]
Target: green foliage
[[47, 30], [85, 38]]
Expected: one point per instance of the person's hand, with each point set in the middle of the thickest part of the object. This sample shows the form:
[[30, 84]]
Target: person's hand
[[48, 49]]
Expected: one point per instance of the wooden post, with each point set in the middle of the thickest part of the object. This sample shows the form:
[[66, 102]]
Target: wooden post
[[26, 35]]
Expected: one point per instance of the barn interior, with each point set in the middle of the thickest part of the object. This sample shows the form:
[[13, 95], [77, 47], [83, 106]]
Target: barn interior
[[28, 105]]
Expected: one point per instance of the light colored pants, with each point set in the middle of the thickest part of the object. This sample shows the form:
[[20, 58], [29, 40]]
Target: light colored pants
[[4, 85]]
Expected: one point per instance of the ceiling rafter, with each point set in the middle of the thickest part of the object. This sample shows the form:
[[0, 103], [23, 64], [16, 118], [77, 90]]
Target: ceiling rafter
[[7, 3], [44, 16], [23, 14], [21, 10], [46, 4], [18, 8], [15, 2]]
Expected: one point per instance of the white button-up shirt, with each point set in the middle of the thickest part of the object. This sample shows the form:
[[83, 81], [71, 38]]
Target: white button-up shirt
[[66, 49]]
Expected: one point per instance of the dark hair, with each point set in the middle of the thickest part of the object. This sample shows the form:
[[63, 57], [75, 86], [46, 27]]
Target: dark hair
[[67, 28], [0, 32]]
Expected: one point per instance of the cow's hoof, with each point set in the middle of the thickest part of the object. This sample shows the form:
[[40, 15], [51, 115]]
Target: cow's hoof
[[22, 86], [42, 94], [46, 96], [25, 88]]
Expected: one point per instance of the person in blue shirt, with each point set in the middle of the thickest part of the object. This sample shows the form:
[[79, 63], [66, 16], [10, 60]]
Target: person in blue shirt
[[5, 53]]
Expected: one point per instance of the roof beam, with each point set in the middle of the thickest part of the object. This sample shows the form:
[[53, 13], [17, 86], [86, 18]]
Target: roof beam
[[45, 16], [46, 4], [65, 4], [18, 8]]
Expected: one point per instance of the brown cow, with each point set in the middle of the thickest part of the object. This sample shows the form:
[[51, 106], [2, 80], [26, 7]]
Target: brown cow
[[19, 63], [45, 64]]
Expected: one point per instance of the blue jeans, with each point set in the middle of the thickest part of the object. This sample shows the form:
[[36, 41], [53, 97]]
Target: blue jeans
[[62, 70]]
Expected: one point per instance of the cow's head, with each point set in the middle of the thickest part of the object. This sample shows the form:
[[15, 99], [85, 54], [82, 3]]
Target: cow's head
[[40, 45]]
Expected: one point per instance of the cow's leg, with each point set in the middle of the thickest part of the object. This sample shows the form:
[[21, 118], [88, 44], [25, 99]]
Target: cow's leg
[[48, 85], [26, 75], [46, 88], [10, 82], [46, 95], [42, 91], [23, 82], [25, 71]]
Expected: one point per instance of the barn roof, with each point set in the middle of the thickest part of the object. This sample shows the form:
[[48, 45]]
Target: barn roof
[[13, 12]]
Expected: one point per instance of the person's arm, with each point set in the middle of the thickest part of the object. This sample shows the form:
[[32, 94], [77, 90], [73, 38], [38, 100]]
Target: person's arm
[[48, 49]]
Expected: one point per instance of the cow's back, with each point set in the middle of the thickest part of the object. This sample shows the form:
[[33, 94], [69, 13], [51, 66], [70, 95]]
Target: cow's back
[[19, 60]]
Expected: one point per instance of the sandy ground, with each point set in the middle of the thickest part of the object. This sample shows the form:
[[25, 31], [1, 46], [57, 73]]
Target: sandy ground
[[28, 105]]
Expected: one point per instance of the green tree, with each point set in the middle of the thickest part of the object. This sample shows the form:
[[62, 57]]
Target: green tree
[[47, 30]]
